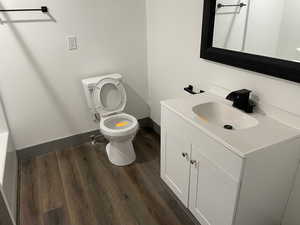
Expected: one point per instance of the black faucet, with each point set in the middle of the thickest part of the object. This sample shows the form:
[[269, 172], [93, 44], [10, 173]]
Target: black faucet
[[241, 100]]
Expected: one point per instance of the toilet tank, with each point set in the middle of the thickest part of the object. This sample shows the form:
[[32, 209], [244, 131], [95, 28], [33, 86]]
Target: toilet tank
[[89, 84]]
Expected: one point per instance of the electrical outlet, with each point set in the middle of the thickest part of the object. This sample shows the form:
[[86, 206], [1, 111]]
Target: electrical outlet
[[72, 43]]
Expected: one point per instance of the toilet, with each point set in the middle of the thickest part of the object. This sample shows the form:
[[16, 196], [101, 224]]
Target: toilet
[[106, 97]]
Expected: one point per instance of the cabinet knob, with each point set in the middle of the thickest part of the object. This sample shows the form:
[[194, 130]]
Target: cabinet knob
[[184, 154]]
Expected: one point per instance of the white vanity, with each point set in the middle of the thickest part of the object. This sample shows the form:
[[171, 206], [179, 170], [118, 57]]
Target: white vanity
[[242, 176]]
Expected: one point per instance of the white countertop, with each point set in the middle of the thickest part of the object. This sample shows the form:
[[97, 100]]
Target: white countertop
[[242, 142]]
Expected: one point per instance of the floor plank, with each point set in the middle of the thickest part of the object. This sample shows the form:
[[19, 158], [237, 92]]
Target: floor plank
[[55, 216], [52, 198], [79, 186], [119, 211], [30, 207], [79, 208], [133, 198]]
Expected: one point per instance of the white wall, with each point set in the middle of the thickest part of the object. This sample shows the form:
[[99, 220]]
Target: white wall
[[40, 79]]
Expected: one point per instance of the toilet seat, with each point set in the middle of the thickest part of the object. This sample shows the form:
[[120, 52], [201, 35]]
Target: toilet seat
[[106, 92], [108, 125], [113, 122]]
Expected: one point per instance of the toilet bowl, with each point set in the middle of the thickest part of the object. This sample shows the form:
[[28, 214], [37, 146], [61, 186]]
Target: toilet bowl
[[119, 129], [107, 97]]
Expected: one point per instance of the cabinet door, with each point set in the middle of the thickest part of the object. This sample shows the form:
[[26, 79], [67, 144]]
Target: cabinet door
[[175, 154], [213, 192], [176, 171]]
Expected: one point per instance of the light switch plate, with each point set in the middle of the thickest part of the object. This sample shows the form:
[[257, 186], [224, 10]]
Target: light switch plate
[[72, 43]]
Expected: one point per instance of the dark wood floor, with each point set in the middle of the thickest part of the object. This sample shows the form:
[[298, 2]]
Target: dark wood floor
[[79, 186]]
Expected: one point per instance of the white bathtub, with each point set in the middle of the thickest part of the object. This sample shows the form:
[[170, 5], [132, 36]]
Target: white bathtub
[[8, 167], [3, 153]]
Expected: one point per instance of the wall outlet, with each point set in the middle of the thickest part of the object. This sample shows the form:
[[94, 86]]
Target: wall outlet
[[72, 43]]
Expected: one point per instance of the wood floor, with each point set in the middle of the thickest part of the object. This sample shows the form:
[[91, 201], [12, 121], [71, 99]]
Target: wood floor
[[79, 186]]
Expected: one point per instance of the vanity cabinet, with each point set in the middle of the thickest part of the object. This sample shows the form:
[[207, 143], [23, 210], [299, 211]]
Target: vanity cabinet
[[217, 185]]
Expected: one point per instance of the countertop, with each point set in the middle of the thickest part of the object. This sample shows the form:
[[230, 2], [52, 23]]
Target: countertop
[[268, 132]]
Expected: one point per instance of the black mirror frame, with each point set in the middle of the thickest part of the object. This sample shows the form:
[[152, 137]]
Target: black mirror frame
[[279, 68]]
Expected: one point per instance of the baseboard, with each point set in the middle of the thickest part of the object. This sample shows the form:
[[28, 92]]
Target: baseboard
[[148, 122], [56, 145], [75, 140], [155, 127]]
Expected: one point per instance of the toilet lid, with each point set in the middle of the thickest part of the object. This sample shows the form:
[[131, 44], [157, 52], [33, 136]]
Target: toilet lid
[[109, 97]]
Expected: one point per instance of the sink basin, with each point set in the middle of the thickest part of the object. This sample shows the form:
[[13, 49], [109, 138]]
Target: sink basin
[[223, 115]]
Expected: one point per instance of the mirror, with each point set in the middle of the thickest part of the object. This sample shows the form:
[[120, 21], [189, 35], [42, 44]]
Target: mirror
[[261, 27], [258, 35], [262, 36]]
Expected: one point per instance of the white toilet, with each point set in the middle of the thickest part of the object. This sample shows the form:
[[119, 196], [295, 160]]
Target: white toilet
[[106, 96]]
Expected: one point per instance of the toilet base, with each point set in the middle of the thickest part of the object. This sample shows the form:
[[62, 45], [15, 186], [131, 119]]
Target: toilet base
[[120, 153]]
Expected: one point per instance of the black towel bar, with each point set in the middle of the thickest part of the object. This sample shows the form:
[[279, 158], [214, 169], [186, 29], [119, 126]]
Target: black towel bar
[[43, 9], [220, 5]]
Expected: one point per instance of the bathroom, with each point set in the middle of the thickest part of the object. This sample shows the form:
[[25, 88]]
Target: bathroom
[[159, 47]]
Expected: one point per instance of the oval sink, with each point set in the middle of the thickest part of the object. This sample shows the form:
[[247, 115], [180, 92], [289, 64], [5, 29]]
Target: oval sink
[[224, 116]]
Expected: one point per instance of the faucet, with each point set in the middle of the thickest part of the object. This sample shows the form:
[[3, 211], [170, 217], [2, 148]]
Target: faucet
[[241, 100]]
